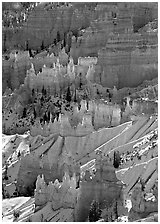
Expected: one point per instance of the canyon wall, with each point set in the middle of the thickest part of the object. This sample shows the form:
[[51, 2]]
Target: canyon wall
[[124, 63]]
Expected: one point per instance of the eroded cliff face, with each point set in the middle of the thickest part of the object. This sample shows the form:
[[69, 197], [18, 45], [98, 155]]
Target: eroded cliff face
[[60, 19], [26, 157], [116, 60], [35, 153], [80, 124], [93, 188], [81, 119], [106, 31]]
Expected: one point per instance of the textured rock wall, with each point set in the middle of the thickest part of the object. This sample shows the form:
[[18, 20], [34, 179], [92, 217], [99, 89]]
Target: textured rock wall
[[54, 156], [91, 116], [59, 199], [123, 63], [144, 13], [43, 24], [103, 187]]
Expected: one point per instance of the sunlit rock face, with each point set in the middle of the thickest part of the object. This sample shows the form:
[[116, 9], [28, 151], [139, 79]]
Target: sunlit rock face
[[127, 66], [144, 13], [91, 115], [58, 200], [53, 19], [142, 205], [113, 18], [124, 57], [28, 157], [80, 112], [102, 187]]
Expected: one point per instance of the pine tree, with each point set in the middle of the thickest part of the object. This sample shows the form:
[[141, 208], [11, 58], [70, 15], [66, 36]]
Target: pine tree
[[19, 154], [30, 53], [5, 38], [42, 46], [43, 90], [117, 159], [55, 42], [33, 92], [24, 112], [64, 42], [94, 212], [58, 36], [69, 41], [80, 81], [68, 96], [75, 97], [115, 209], [27, 45], [35, 114]]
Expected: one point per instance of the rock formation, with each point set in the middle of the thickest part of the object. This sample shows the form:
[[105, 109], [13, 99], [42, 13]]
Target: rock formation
[[80, 112]]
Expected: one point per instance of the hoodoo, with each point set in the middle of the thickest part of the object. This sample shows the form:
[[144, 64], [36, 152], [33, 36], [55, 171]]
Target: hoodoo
[[80, 111]]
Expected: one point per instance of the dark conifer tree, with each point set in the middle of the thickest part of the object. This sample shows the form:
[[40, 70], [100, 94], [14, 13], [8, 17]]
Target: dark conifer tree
[[116, 210], [58, 36], [35, 114], [68, 96], [5, 38], [75, 97], [45, 118], [48, 116], [33, 92], [117, 159], [43, 90], [27, 45], [69, 41], [19, 154], [64, 42], [94, 212], [55, 42], [42, 46], [30, 53], [24, 112]]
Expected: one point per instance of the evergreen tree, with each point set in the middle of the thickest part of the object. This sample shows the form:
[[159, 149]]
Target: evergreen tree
[[27, 45], [58, 36], [42, 46], [30, 53], [45, 118], [64, 41], [80, 80], [116, 210], [35, 114], [117, 159], [68, 96], [19, 154], [48, 116], [33, 92], [94, 212], [43, 90], [69, 41], [5, 38], [55, 42], [24, 112], [75, 97]]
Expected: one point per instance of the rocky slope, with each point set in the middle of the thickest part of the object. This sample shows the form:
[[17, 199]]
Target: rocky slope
[[107, 31], [26, 157], [80, 112]]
